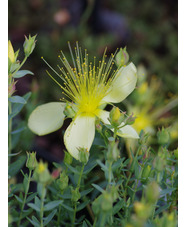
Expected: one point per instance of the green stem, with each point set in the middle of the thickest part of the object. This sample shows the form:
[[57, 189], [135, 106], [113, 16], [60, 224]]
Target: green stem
[[128, 179], [95, 221], [25, 196], [42, 205], [102, 220], [78, 186], [20, 65], [59, 216], [9, 131], [87, 13], [110, 172]]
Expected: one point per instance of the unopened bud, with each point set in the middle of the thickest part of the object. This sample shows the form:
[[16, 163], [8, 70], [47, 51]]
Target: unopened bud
[[41, 173], [11, 54], [163, 136], [75, 195], [152, 192], [107, 202], [62, 182], [31, 162], [11, 88], [146, 171], [116, 117], [68, 158], [29, 45], [130, 120], [122, 57], [83, 155]]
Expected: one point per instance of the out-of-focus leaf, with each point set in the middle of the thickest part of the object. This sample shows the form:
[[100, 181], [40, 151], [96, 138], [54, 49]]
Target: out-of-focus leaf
[[17, 99], [22, 73], [49, 217], [14, 168]]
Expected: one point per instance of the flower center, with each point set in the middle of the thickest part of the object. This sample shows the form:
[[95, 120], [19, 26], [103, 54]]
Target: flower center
[[85, 84]]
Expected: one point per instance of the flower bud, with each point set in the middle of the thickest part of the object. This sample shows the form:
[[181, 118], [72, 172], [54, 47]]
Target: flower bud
[[41, 173], [98, 126], [152, 192], [75, 195], [122, 57], [29, 45], [62, 182], [130, 120], [83, 155], [146, 172], [140, 209], [11, 54], [68, 158], [116, 117], [107, 202], [31, 162], [11, 88], [163, 136]]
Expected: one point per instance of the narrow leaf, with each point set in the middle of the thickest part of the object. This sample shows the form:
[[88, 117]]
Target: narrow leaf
[[22, 73], [17, 99], [49, 217], [14, 168], [52, 205], [18, 199], [18, 130], [30, 197], [33, 206], [67, 207], [98, 188]]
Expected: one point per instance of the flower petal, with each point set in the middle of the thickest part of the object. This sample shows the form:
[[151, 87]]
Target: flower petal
[[128, 132], [104, 115], [123, 84], [47, 118], [80, 134]]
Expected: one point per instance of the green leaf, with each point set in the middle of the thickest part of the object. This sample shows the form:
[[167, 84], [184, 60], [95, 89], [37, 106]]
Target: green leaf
[[162, 208], [18, 130], [34, 221], [166, 191], [83, 205], [84, 224], [52, 205], [72, 169], [89, 168], [118, 206], [14, 168], [17, 107], [30, 197], [18, 199], [85, 192], [67, 207], [14, 154], [49, 217], [98, 188], [17, 99], [104, 167], [22, 73], [33, 206]]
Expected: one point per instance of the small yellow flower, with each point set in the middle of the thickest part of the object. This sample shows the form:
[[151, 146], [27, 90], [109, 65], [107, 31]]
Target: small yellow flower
[[11, 54]]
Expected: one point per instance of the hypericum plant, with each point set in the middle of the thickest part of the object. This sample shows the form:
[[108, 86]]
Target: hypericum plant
[[15, 102], [89, 88]]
